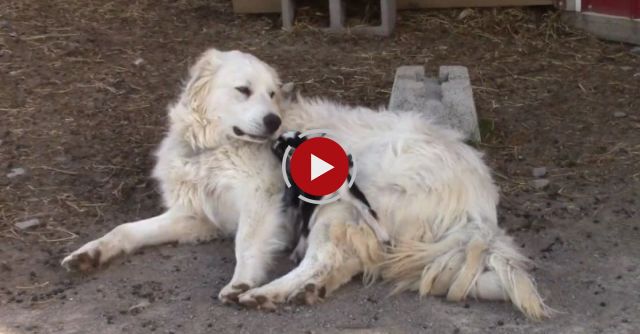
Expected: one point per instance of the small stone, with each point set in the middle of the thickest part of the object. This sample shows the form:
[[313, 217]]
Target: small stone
[[5, 267], [28, 224], [619, 114], [636, 50], [626, 68], [465, 13], [540, 183], [135, 309], [138, 62], [4, 24], [15, 172], [539, 172]]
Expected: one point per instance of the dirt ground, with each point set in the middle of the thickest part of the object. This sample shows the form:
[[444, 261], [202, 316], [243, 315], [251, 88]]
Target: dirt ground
[[83, 91]]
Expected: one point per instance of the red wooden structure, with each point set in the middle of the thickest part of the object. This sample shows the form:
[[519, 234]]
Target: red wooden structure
[[617, 20], [624, 8]]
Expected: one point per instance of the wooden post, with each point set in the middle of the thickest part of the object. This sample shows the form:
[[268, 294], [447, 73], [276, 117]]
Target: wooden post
[[288, 14]]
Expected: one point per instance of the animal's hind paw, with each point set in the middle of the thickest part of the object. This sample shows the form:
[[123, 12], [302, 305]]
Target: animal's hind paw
[[264, 298], [308, 295]]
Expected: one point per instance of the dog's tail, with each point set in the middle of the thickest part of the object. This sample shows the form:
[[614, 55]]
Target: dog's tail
[[457, 267]]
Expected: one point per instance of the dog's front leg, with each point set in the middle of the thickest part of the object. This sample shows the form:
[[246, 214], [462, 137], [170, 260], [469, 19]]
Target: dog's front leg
[[171, 226], [261, 233]]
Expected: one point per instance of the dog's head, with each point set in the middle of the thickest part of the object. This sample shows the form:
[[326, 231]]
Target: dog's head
[[235, 94]]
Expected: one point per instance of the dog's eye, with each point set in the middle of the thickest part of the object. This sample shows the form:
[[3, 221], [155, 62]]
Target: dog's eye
[[272, 94], [244, 90]]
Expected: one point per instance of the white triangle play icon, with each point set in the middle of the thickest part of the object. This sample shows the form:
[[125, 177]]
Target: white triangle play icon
[[318, 167]]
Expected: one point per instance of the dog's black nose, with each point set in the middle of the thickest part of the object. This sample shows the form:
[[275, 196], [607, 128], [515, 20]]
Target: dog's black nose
[[271, 122]]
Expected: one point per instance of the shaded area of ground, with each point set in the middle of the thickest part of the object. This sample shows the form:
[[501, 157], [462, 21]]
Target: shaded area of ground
[[84, 87]]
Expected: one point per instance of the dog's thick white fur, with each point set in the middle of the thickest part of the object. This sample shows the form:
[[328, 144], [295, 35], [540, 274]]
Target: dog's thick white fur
[[432, 193]]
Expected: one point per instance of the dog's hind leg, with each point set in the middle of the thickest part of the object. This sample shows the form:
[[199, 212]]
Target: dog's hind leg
[[170, 226], [338, 250], [298, 253], [357, 198]]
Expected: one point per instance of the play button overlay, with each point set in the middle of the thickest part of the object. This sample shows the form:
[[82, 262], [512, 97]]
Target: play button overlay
[[319, 166]]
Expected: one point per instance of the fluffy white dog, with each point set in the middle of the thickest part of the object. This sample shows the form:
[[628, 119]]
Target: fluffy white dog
[[432, 193], [216, 172]]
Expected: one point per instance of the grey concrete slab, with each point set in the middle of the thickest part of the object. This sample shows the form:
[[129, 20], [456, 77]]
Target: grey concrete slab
[[457, 97], [448, 99]]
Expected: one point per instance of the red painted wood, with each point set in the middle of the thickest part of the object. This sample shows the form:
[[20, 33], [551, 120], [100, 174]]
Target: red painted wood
[[625, 8]]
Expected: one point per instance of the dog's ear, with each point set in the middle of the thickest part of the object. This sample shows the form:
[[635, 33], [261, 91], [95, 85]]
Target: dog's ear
[[287, 90], [201, 76]]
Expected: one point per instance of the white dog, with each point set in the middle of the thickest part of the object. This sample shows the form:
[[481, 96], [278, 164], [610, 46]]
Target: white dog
[[216, 172], [432, 193]]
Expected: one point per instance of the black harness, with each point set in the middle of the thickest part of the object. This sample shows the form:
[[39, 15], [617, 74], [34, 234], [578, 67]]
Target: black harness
[[291, 195]]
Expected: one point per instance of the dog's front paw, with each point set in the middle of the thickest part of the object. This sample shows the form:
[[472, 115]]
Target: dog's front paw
[[262, 299], [84, 259], [229, 294]]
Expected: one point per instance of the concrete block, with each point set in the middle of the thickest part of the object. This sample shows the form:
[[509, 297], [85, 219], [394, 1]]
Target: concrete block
[[450, 73], [411, 89], [448, 99], [457, 97]]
